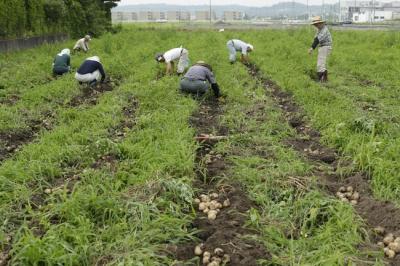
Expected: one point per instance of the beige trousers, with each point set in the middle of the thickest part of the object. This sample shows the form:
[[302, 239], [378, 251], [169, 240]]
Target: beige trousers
[[323, 54]]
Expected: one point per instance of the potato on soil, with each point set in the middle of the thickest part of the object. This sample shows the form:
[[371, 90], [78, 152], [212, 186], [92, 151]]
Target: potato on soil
[[342, 189], [216, 259], [204, 198], [226, 258], [214, 195], [206, 210], [353, 202], [379, 230], [206, 257], [213, 263], [389, 253], [381, 244], [202, 206], [198, 250], [388, 239], [47, 191], [349, 189], [227, 203], [212, 215], [219, 252], [395, 246], [197, 201], [355, 196]]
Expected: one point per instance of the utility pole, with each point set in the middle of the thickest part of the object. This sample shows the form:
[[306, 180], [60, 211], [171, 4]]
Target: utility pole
[[340, 13], [210, 13], [308, 11]]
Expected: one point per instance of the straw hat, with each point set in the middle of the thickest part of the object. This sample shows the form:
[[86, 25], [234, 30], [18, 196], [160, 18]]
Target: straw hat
[[200, 62], [317, 20]]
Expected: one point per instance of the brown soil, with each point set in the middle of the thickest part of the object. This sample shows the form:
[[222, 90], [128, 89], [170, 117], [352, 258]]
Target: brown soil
[[10, 99], [68, 182], [228, 230], [90, 95], [307, 142], [12, 141]]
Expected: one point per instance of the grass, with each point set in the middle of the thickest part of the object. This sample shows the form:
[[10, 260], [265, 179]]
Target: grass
[[129, 211]]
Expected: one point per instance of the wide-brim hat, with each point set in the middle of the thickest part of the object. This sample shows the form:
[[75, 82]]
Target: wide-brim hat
[[87, 37], [317, 20]]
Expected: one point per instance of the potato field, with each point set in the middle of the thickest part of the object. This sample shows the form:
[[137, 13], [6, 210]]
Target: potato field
[[281, 170]]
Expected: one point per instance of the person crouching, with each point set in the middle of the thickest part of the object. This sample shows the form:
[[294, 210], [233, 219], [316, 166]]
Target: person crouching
[[91, 71], [197, 78], [62, 62], [180, 55]]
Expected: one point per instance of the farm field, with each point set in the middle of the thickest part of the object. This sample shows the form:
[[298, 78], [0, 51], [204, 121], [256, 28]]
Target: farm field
[[111, 176]]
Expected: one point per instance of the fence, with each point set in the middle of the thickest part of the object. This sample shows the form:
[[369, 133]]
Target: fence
[[25, 43]]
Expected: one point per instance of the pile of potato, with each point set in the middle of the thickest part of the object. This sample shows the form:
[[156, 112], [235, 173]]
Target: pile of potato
[[210, 205], [390, 243], [216, 258], [347, 194]]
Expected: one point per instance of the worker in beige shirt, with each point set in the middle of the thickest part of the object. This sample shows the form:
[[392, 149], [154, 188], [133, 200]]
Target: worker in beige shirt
[[83, 44]]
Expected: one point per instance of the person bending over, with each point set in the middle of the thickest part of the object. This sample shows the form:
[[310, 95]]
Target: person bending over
[[180, 55], [83, 44], [197, 79], [91, 71], [235, 46], [62, 62]]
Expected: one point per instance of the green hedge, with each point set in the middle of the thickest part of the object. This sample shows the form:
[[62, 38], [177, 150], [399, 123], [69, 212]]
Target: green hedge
[[24, 18]]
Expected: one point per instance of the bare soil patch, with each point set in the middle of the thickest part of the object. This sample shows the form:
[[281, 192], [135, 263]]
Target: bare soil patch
[[228, 230]]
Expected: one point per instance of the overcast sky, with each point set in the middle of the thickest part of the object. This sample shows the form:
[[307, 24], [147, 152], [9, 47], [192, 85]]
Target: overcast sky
[[220, 2]]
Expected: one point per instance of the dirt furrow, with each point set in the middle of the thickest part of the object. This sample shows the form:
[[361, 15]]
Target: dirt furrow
[[376, 214], [224, 237], [12, 141], [67, 182]]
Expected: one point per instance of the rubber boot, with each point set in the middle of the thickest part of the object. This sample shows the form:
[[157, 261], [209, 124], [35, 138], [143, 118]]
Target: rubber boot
[[325, 76], [320, 75]]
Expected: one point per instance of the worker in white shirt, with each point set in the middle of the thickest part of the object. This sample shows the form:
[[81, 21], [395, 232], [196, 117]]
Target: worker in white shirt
[[170, 57], [239, 46], [83, 44]]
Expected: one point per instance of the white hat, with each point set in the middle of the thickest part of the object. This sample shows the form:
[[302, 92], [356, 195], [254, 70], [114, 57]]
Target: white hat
[[251, 47]]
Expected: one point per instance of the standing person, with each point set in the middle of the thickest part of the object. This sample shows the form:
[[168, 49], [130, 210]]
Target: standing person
[[323, 38], [91, 71], [239, 46], [62, 62], [195, 80], [176, 54], [83, 44]]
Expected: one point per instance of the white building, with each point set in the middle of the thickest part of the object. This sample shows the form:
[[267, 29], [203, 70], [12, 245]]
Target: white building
[[232, 15], [178, 15], [368, 11], [372, 16]]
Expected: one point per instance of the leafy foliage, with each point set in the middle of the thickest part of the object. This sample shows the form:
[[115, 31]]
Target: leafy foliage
[[21, 18]]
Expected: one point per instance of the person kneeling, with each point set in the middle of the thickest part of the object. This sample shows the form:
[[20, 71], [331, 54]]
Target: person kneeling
[[91, 71], [196, 78]]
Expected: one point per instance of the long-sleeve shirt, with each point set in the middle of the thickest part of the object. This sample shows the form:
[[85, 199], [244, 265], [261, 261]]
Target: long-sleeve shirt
[[240, 46], [62, 61], [323, 38], [90, 66], [82, 44], [198, 72]]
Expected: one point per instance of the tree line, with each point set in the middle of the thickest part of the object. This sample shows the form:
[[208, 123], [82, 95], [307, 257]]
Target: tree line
[[25, 18]]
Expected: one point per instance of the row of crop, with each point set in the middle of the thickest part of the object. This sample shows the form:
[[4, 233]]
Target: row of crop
[[298, 224], [344, 123], [108, 212]]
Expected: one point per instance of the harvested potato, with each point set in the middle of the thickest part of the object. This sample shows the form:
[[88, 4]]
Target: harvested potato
[[342, 189], [198, 250], [206, 210], [206, 257], [389, 253], [213, 263], [344, 199], [381, 244], [202, 206], [47, 191], [219, 252], [197, 201], [218, 205], [388, 239], [212, 215], [397, 239], [214, 195], [353, 202], [205, 198], [227, 203], [349, 189], [355, 196], [395, 246], [226, 259], [379, 230], [212, 206], [340, 195], [216, 259]]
